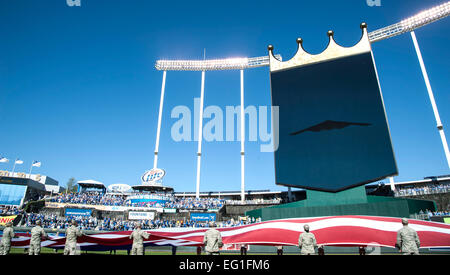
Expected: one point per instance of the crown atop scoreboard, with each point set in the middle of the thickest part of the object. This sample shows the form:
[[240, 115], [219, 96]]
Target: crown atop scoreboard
[[333, 132], [333, 50]]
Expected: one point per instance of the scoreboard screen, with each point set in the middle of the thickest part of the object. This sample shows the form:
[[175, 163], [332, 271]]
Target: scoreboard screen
[[333, 131]]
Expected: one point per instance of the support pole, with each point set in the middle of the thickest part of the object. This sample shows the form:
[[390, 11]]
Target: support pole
[[242, 139], [200, 136], [158, 131], [391, 181], [433, 102]]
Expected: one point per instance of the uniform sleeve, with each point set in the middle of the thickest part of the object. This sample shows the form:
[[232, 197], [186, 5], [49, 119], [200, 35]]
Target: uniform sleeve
[[43, 233], [399, 239], [11, 233], [205, 238], [145, 235], [131, 235], [314, 241], [220, 243], [416, 237], [300, 241], [79, 233]]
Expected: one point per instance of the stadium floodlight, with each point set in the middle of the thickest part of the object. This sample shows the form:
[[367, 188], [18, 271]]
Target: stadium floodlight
[[407, 25], [213, 64], [242, 63]]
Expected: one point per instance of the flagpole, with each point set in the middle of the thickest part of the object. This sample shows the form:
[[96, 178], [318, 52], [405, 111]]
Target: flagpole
[[14, 167], [31, 168]]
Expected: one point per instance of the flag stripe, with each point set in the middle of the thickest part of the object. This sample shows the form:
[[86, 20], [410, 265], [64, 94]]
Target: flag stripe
[[333, 230]]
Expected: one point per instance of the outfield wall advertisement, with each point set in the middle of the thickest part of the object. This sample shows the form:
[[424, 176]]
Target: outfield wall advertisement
[[136, 215], [103, 207], [203, 217]]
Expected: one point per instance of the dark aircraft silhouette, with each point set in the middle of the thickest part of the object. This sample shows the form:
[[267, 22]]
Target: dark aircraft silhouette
[[329, 125]]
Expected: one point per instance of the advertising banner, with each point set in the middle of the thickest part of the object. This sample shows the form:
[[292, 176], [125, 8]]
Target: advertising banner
[[154, 200], [203, 217], [102, 207], [134, 215], [170, 210], [6, 219], [69, 212]]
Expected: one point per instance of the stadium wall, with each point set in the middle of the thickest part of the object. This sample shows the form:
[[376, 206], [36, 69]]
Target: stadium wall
[[374, 206], [442, 200]]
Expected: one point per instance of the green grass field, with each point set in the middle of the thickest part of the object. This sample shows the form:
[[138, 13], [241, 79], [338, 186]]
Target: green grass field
[[159, 251], [45, 250]]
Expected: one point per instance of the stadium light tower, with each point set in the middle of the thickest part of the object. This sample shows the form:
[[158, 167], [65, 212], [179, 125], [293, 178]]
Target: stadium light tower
[[200, 136], [408, 25], [158, 130], [242, 139], [440, 127]]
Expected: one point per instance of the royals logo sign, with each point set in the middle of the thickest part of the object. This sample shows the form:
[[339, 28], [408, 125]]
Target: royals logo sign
[[153, 175]]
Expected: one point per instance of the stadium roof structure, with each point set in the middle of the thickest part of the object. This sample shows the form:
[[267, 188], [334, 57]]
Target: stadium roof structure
[[90, 183], [425, 181], [407, 25]]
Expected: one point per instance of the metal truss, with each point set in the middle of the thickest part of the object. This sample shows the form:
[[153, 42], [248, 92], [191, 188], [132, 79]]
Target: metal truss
[[421, 19]]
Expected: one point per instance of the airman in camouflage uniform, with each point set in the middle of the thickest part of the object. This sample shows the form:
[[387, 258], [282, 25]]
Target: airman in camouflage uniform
[[407, 239], [212, 240], [138, 237], [71, 239], [37, 233], [307, 242], [8, 234]]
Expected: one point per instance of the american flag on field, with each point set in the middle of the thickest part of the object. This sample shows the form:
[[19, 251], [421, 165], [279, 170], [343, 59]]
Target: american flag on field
[[330, 231]]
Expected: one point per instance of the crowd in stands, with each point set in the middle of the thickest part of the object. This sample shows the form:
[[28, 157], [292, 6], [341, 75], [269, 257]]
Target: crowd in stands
[[440, 213], [427, 215], [117, 224], [90, 198], [190, 203], [6, 210], [422, 190], [53, 221], [97, 198]]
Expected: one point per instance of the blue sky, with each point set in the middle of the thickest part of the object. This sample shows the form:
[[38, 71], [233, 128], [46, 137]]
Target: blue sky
[[79, 91]]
